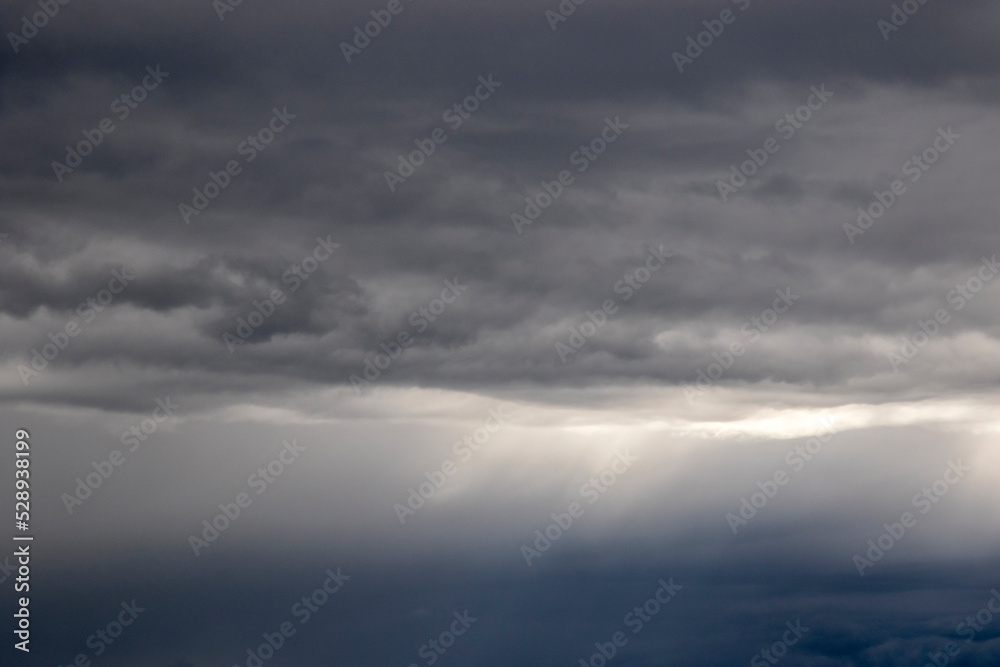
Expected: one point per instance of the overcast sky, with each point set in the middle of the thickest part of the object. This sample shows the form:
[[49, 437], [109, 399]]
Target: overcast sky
[[737, 257]]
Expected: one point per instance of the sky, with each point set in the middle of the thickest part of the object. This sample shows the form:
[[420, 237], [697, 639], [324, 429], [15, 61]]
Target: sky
[[537, 333]]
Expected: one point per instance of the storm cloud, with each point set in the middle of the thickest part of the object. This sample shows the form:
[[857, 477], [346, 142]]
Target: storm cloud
[[698, 234]]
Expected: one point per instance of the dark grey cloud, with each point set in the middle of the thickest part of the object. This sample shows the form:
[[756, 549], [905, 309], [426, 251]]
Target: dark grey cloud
[[522, 288]]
